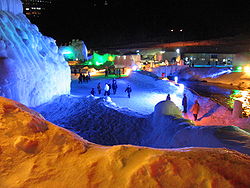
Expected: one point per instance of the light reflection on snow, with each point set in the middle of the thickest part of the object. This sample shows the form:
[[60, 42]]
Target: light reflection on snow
[[215, 75], [157, 97], [175, 97]]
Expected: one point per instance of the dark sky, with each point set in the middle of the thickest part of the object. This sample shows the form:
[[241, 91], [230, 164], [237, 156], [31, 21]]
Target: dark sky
[[132, 21]]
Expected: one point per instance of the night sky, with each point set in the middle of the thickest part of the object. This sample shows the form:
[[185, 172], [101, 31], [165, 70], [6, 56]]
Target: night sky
[[132, 21]]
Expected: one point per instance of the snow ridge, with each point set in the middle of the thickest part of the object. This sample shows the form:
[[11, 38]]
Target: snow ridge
[[96, 120], [101, 122], [36, 153]]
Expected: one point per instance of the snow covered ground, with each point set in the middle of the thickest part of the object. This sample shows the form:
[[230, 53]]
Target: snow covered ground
[[212, 74], [102, 121], [148, 91], [37, 153]]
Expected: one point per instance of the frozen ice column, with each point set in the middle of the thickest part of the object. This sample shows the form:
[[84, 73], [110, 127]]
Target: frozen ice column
[[32, 70], [13, 6]]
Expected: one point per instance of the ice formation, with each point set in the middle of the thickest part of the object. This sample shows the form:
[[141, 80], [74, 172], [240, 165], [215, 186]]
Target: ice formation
[[13, 6], [37, 153], [32, 70]]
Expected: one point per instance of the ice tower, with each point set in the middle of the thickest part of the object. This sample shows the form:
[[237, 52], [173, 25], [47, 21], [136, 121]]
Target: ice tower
[[32, 70]]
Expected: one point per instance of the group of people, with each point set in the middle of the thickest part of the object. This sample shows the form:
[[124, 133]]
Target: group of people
[[107, 89], [194, 109], [117, 72], [83, 78]]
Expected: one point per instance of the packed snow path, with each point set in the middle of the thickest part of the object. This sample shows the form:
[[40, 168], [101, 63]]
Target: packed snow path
[[146, 92]]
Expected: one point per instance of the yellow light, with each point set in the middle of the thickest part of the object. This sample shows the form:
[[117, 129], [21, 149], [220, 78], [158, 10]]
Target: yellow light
[[110, 58], [246, 69], [128, 71], [165, 79]]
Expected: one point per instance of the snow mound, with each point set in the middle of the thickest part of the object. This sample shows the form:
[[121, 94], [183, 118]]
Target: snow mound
[[167, 108], [98, 120], [36, 153], [32, 69], [13, 6], [238, 79], [102, 122]]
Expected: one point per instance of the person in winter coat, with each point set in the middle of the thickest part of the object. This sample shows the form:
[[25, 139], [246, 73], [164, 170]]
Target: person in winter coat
[[88, 76], [195, 109], [168, 98], [184, 103], [109, 89], [106, 89], [128, 90], [80, 78], [99, 88], [114, 87], [92, 91], [106, 72]]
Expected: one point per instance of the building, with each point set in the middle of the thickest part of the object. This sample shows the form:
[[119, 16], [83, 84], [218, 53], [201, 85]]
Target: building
[[35, 8]]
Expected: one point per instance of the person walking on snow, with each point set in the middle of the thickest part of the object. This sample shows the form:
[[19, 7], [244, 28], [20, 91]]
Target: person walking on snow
[[109, 88], [128, 90], [168, 98], [114, 87], [80, 79], [184, 103], [88, 76], [99, 88], [106, 89], [92, 92], [195, 109]]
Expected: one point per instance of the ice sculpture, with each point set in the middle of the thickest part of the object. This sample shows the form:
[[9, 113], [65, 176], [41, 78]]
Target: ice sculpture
[[13, 6], [32, 70]]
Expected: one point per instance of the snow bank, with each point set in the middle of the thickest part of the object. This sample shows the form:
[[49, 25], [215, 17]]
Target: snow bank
[[32, 70], [213, 74], [36, 153], [96, 119], [190, 73], [238, 79], [230, 137], [166, 121], [170, 130], [13, 6], [102, 122]]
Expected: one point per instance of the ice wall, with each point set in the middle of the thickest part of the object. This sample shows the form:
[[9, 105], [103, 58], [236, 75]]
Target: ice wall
[[13, 6], [32, 70]]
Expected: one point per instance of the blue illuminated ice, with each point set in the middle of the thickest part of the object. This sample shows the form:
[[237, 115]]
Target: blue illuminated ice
[[32, 70], [13, 6]]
